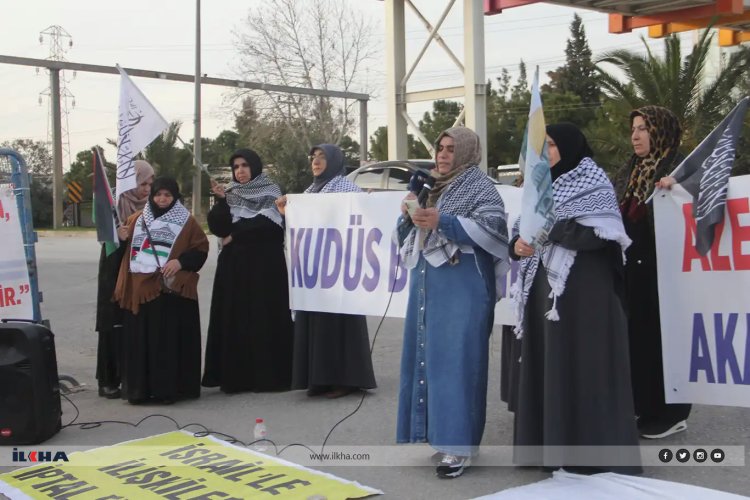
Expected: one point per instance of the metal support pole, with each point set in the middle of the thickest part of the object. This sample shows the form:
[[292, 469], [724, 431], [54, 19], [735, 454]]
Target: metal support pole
[[475, 98], [395, 54], [57, 166], [197, 135], [363, 139]]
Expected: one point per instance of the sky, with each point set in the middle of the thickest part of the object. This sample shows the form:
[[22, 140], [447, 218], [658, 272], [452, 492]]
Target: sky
[[160, 36]]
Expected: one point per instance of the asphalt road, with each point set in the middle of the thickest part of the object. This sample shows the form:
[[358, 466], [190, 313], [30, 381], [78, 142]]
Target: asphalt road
[[68, 266]]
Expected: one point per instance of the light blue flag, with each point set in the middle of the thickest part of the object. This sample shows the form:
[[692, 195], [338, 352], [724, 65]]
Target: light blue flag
[[537, 204]]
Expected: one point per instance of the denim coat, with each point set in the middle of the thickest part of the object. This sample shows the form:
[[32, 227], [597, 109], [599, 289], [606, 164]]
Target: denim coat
[[444, 363]]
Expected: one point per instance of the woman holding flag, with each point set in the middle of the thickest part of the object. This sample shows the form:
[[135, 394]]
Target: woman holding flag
[[158, 290], [108, 314], [655, 136], [574, 394]]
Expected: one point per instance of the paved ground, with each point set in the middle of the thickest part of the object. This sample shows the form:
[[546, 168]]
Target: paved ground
[[68, 267]]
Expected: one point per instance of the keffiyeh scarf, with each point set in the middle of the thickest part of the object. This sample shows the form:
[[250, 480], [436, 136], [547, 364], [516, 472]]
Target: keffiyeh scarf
[[584, 194], [254, 198], [473, 199], [338, 184], [164, 231]]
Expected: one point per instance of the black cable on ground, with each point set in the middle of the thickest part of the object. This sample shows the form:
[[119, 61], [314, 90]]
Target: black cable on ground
[[229, 438]]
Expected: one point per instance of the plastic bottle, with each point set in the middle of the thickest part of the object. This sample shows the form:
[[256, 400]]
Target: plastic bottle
[[260, 432]]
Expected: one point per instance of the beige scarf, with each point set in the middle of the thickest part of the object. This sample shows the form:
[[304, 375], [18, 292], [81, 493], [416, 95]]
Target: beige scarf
[[466, 152], [129, 202]]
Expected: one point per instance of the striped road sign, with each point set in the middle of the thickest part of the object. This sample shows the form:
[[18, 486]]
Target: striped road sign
[[75, 192]]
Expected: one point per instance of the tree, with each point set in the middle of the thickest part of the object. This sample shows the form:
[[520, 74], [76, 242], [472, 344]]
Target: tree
[[321, 44], [379, 146], [350, 148], [609, 135], [81, 171], [37, 156], [443, 116], [521, 89], [742, 163], [216, 152], [38, 160], [676, 83], [284, 156], [578, 75], [170, 160]]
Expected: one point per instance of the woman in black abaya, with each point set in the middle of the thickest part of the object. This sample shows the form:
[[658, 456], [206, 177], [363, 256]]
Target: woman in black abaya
[[575, 404], [250, 334]]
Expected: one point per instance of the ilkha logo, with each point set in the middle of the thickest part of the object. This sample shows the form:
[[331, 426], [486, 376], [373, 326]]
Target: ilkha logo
[[39, 456]]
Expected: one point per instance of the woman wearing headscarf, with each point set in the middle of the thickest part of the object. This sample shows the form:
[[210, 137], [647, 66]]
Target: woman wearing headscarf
[[158, 290], [655, 136], [574, 394], [456, 249], [249, 345], [331, 350], [108, 313]]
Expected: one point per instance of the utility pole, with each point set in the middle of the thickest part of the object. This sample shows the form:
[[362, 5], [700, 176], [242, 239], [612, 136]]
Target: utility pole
[[197, 134], [57, 124], [57, 166]]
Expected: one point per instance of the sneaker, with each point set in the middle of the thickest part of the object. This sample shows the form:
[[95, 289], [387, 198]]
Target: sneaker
[[436, 458], [658, 430], [109, 392], [452, 466]]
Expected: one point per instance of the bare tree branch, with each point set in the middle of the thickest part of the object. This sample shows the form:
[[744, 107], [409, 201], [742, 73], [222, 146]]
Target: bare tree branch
[[321, 44]]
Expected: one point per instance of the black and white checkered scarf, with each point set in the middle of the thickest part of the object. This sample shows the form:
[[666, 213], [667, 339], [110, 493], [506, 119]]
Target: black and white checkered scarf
[[338, 184], [253, 198], [480, 210], [586, 195]]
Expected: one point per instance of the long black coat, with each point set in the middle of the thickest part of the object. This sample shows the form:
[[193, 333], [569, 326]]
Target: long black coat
[[250, 333], [644, 320], [575, 373]]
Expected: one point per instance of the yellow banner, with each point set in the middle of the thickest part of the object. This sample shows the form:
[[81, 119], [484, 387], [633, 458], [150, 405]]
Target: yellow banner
[[175, 465]]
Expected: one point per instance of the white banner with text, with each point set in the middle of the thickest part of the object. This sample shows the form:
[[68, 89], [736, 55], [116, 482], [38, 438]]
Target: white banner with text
[[15, 291], [705, 300], [341, 258]]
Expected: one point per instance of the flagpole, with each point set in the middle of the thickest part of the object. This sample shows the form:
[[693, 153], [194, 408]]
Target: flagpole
[[200, 165], [723, 123], [653, 193], [98, 151]]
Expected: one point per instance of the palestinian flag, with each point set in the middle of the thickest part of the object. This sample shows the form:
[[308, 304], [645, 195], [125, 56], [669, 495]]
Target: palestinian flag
[[104, 207]]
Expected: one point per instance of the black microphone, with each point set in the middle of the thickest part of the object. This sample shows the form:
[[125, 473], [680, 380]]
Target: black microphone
[[425, 192]]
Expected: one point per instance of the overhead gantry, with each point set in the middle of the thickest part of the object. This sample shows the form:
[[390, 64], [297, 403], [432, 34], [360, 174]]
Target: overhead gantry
[[661, 17]]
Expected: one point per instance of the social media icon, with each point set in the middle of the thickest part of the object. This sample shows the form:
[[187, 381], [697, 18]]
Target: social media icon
[[700, 455], [717, 455], [665, 455], [682, 455]]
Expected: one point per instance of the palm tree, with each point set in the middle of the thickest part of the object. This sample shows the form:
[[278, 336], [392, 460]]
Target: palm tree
[[167, 158], [676, 83]]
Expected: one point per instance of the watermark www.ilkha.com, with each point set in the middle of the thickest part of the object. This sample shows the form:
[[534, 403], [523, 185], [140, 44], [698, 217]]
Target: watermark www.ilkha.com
[[411, 455], [340, 456]]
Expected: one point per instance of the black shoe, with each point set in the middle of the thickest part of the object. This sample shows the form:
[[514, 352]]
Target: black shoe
[[452, 466], [318, 390], [583, 470], [109, 392]]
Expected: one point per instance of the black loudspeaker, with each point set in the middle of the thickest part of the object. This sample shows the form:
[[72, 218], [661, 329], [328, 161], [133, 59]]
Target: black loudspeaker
[[29, 389]]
